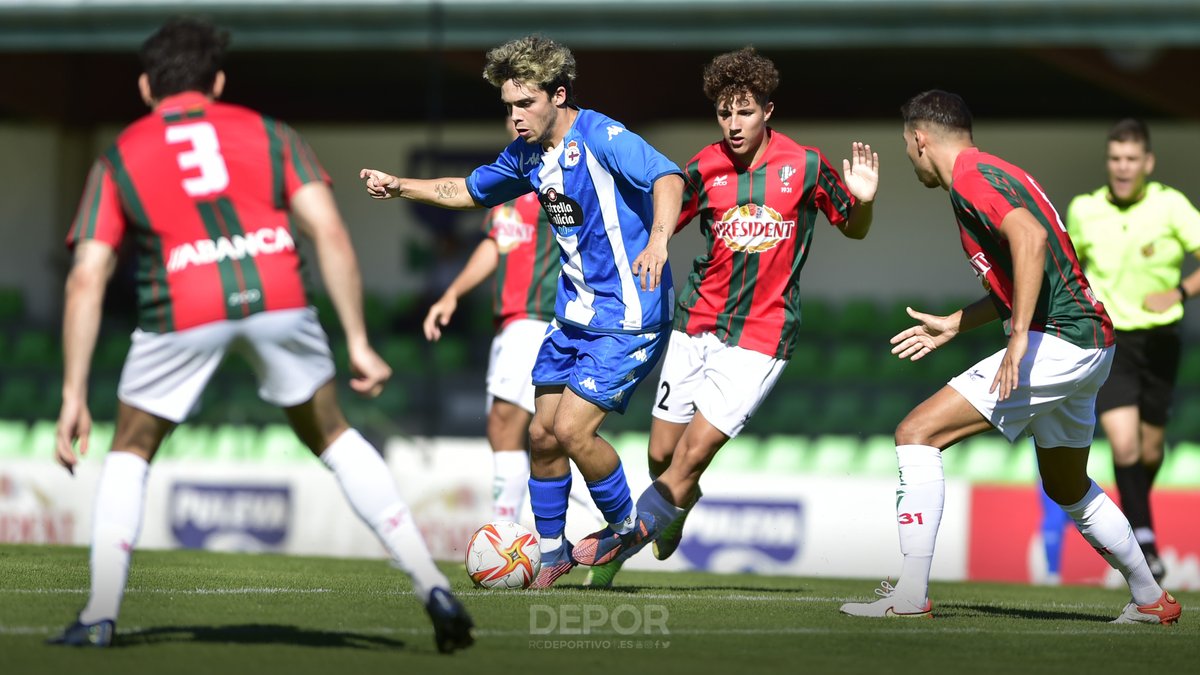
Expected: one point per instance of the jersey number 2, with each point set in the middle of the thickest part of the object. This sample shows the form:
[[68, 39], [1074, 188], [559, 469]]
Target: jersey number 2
[[203, 154]]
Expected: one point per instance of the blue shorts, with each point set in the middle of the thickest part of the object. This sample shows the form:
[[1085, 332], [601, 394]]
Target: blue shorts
[[603, 368]]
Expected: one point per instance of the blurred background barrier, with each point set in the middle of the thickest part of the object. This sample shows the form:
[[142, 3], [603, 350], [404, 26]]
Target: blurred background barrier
[[789, 505]]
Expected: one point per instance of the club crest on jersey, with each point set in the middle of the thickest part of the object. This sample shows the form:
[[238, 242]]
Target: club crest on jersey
[[509, 229], [981, 265], [785, 173], [572, 154], [208, 251], [753, 228]]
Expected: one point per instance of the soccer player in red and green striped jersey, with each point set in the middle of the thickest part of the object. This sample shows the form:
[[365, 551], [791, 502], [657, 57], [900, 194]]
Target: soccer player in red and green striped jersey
[[1044, 383], [758, 195], [521, 250], [205, 189]]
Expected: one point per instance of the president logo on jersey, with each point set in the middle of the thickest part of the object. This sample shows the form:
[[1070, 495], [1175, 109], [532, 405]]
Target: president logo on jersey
[[753, 228]]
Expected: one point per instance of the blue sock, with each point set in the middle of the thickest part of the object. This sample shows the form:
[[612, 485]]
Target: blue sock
[[611, 495], [1054, 522], [548, 498]]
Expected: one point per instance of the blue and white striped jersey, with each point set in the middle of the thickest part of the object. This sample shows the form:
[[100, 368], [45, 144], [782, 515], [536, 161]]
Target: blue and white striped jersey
[[595, 188]]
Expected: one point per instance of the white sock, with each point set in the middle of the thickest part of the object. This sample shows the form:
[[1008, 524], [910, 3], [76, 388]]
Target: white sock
[[1104, 527], [116, 521], [919, 502], [367, 483], [510, 483]]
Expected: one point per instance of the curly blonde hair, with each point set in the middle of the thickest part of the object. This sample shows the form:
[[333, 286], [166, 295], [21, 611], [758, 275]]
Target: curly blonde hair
[[744, 71], [534, 60]]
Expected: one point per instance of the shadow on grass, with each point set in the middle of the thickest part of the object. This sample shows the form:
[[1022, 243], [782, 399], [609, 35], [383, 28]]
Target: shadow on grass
[[958, 609], [752, 590], [255, 634]]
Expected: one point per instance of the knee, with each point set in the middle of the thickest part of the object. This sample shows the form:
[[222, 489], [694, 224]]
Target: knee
[[541, 438], [912, 431], [570, 437]]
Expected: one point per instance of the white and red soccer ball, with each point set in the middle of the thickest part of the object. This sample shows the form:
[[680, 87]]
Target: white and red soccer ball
[[503, 554]]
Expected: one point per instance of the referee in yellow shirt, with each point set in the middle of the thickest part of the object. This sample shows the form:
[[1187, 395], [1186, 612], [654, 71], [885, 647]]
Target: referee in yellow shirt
[[1132, 236]]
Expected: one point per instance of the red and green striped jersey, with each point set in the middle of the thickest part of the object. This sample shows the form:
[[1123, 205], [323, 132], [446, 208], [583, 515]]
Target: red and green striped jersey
[[204, 189], [985, 189], [757, 223], [527, 276]]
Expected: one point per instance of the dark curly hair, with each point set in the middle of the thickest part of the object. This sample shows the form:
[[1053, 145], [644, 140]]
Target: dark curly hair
[[185, 54], [744, 71]]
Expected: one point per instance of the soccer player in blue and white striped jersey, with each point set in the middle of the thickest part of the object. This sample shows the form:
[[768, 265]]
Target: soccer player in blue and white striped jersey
[[613, 201]]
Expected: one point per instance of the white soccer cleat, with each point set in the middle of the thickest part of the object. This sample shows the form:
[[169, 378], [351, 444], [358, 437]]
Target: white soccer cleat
[[889, 605], [1164, 611]]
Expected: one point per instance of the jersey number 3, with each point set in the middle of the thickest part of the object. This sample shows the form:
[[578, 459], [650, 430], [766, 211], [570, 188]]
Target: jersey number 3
[[203, 154]]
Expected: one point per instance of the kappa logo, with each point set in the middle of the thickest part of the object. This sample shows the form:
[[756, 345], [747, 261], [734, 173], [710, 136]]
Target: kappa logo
[[613, 130], [640, 355], [572, 154], [589, 384], [721, 181], [532, 160]]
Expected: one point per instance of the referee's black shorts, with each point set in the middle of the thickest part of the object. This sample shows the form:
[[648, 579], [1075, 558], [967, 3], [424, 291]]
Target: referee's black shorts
[[1143, 373]]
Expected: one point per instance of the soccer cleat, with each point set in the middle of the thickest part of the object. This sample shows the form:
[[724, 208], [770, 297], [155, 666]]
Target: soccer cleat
[[666, 543], [605, 546], [99, 634], [889, 605], [554, 564], [601, 576], [1164, 611], [452, 626]]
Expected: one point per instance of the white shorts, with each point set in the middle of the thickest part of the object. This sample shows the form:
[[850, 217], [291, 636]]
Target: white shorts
[[726, 384], [165, 373], [1055, 399], [510, 366]]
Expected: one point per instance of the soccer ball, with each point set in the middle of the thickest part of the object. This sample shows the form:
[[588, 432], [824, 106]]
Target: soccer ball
[[503, 554]]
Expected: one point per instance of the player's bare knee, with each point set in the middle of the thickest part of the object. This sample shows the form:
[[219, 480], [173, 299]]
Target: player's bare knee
[[913, 430], [541, 439]]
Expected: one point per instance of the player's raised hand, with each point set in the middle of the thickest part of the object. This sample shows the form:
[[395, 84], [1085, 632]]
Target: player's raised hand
[[370, 372], [861, 172], [74, 424], [380, 185], [933, 332], [438, 316]]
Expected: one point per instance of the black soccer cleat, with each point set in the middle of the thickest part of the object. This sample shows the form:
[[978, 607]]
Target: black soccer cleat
[[99, 634], [452, 626]]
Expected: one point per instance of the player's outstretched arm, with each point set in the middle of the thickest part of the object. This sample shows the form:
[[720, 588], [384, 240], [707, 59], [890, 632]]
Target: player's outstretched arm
[[482, 263], [861, 175], [935, 331], [93, 264], [448, 193], [318, 217], [668, 201]]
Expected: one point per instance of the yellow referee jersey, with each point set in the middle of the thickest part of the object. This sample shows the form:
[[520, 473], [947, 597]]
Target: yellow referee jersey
[[1130, 252]]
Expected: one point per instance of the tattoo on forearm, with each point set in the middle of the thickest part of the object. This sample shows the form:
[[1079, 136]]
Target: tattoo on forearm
[[660, 228], [446, 190]]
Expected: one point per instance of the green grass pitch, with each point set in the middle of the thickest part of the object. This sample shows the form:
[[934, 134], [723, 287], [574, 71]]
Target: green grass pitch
[[198, 612]]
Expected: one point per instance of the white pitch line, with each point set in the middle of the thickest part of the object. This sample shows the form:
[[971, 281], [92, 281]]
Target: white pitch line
[[165, 591], [928, 627]]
